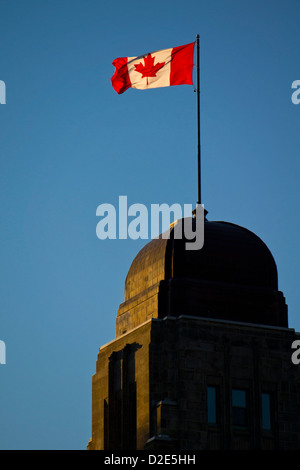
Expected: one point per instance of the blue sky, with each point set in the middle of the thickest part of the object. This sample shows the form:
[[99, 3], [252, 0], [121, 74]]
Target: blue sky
[[68, 143]]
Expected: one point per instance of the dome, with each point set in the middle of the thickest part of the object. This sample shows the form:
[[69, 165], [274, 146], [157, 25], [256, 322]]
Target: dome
[[233, 277], [231, 254]]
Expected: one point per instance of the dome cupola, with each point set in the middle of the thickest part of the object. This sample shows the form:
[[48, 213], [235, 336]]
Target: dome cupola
[[233, 277]]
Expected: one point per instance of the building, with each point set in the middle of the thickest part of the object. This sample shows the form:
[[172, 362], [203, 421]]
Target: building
[[202, 354]]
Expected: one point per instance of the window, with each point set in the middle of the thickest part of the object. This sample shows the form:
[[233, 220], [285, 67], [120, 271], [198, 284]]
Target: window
[[212, 412], [239, 408], [266, 411]]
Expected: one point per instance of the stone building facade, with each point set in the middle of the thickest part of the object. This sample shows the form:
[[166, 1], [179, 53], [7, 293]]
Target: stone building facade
[[202, 354]]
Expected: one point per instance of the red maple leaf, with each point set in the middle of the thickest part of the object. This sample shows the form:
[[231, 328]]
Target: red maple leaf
[[149, 69]]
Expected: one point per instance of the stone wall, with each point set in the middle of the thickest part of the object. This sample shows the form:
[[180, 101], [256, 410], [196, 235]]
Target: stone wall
[[150, 386]]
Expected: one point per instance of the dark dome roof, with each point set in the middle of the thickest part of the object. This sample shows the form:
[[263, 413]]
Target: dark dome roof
[[231, 254], [233, 277]]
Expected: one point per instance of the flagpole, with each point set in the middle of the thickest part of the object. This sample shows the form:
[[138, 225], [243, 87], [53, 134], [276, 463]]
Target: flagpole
[[198, 121]]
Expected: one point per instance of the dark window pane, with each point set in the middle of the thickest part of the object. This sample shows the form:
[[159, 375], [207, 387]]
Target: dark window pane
[[266, 411], [239, 398], [239, 417], [239, 408], [212, 405]]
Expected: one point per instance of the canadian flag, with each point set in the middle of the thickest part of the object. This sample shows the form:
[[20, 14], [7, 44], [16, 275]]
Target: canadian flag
[[162, 68]]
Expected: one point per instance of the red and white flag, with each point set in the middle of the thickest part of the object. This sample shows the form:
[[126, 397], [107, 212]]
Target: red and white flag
[[156, 69]]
